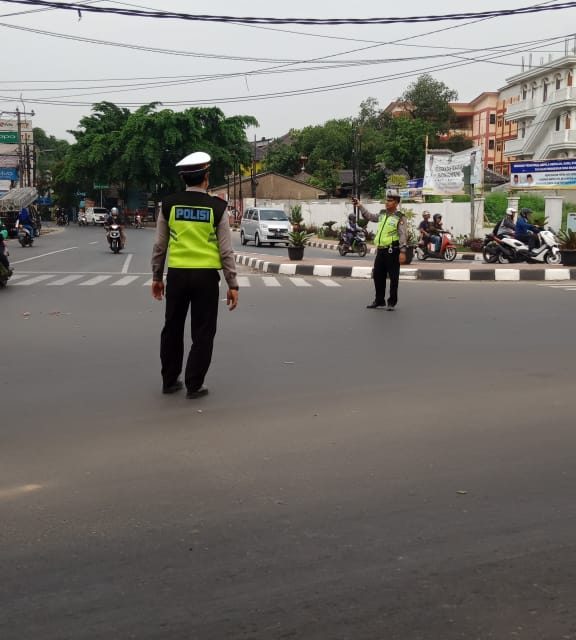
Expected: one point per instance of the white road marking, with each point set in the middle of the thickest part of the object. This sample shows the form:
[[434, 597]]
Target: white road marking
[[124, 281], [127, 263], [93, 281], [43, 255], [17, 276], [271, 282], [328, 283], [34, 280], [299, 282], [65, 280], [243, 281], [95, 242]]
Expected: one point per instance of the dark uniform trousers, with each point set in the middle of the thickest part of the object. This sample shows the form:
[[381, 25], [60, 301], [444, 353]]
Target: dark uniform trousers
[[198, 290], [387, 265]]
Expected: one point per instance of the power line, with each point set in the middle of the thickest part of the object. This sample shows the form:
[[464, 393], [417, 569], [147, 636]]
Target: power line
[[142, 13]]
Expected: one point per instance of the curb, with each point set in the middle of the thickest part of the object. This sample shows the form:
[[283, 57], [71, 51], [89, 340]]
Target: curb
[[408, 273], [477, 257]]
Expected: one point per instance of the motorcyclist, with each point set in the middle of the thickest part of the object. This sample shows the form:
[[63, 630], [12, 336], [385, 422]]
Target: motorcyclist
[[423, 228], [526, 232], [3, 255], [25, 220], [435, 231], [114, 217], [352, 228], [506, 226]]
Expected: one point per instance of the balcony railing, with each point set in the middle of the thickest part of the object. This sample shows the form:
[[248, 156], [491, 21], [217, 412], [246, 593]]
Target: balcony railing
[[525, 107], [567, 136], [514, 147]]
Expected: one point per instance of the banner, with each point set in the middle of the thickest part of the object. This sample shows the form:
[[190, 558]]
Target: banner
[[546, 174], [444, 172], [8, 155], [8, 173], [12, 125]]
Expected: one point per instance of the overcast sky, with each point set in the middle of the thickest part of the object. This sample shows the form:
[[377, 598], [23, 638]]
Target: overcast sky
[[76, 71]]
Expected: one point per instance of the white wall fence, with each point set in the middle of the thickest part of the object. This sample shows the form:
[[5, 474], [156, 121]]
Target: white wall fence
[[456, 216]]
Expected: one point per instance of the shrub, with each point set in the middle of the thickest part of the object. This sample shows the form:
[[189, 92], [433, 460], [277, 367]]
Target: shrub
[[531, 201], [495, 206]]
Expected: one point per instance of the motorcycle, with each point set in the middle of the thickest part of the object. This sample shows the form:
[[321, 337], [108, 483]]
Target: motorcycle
[[138, 221], [25, 238], [62, 220], [5, 274], [447, 249], [114, 238], [82, 220], [358, 245], [508, 249]]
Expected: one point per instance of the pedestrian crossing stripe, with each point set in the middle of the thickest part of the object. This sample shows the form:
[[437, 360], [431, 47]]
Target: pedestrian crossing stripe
[[120, 280]]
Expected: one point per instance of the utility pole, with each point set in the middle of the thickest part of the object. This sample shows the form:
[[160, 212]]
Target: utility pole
[[20, 172]]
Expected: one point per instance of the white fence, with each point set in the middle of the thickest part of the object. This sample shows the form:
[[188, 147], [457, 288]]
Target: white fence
[[456, 216]]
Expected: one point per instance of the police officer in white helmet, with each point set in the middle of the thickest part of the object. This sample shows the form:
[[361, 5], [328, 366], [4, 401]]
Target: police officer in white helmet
[[193, 230]]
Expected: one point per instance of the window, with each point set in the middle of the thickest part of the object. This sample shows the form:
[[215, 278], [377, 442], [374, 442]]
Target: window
[[533, 91], [491, 166], [492, 118], [499, 146], [567, 122], [524, 92], [558, 82], [499, 123], [557, 123], [569, 79], [522, 129], [544, 90], [491, 144]]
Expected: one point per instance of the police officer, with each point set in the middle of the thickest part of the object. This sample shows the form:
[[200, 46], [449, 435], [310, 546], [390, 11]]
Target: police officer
[[390, 240], [193, 228]]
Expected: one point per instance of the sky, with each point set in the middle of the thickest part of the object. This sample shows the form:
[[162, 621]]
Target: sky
[[238, 68]]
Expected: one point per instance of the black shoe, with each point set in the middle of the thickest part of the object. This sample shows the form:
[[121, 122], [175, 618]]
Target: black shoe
[[173, 388], [391, 307], [375, 305], [191, 395]]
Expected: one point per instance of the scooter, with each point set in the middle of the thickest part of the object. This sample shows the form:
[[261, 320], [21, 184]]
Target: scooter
[[491, 247], [5, 274], [138, 221], [512, 250], [358, 244], [82, 220], [447, 249], [25, 238], [115, 238]]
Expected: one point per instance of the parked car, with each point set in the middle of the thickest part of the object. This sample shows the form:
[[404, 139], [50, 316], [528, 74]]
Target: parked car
[[96, 215], [260, 225]]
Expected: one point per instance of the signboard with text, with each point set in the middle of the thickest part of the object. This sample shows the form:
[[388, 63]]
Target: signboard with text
[[444, 172], [9, 137], [12, 125], [544, 174], [8, 173]]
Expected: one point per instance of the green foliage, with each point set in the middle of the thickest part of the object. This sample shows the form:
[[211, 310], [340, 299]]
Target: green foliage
[[428, 100], [531, 201], [299, 238], [140, 149], [283, 158], [295, 216], [538, 218], [404, 143], [454, 143], [567, 240], [412, 234], [495, 205], [326, 176], [460, 198]]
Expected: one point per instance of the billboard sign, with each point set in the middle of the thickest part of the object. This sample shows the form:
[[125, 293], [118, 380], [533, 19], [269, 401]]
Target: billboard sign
[[444, 172], [9, 137], [12, 125], [544, 174], [8, 173]]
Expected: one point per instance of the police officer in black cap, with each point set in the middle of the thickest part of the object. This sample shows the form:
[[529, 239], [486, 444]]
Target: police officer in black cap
[[193, 229]]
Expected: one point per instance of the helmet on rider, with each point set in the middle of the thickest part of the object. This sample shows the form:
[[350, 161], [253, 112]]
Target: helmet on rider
[[525, 212], [437, 216], [114, 211], [511, 212], [352, 218]]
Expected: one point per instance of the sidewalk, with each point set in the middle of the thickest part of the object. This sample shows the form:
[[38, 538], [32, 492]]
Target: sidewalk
[[334, 266]]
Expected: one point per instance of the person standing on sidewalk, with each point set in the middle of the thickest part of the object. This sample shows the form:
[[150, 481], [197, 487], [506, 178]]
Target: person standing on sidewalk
[[390, 240], [193, 229]]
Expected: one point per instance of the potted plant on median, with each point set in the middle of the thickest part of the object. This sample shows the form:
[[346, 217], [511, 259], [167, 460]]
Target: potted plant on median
[[297, 240], [567, 240]]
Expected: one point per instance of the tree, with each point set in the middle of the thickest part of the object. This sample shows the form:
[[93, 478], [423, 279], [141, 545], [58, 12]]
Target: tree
[[428, 100], [404, 145], [283, 158]]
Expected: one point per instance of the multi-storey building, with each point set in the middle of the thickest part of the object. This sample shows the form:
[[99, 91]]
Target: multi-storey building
[[482, 121], [541, 102]]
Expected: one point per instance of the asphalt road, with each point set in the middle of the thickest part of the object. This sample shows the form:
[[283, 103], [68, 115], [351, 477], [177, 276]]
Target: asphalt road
[[353, 474]]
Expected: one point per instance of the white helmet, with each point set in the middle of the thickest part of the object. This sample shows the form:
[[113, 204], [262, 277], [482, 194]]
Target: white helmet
[[114, 211], [511, 211]]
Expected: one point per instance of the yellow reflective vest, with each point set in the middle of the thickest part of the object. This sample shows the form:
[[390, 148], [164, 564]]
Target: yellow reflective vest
[[387, 232]]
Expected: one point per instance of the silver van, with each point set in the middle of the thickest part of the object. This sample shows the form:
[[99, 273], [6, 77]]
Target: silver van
[[262, 224]]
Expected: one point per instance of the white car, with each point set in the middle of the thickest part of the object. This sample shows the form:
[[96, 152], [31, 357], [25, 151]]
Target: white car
[[96, 215], [260, 225]]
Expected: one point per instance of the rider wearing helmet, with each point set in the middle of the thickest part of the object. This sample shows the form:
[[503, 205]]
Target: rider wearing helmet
[[114, 217], [352, 229], [526, 232], [506, 226], [435, 231]]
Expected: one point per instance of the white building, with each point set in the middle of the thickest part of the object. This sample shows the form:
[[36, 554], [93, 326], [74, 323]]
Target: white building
[[542, 102]]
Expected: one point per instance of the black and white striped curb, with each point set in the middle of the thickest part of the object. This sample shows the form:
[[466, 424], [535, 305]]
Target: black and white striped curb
[[477, 257], [499, 274]]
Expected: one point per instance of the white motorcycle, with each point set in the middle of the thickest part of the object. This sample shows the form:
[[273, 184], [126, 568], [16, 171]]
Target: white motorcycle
[[511, 250], [115, 238]]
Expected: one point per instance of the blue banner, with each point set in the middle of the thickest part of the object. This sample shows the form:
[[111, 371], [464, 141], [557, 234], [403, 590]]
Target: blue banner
[[45, 200], [544, 174], [8, 173]]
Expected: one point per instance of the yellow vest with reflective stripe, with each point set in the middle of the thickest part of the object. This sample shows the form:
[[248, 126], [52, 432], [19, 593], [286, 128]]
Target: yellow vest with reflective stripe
[[387, 231], [193, 243]]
